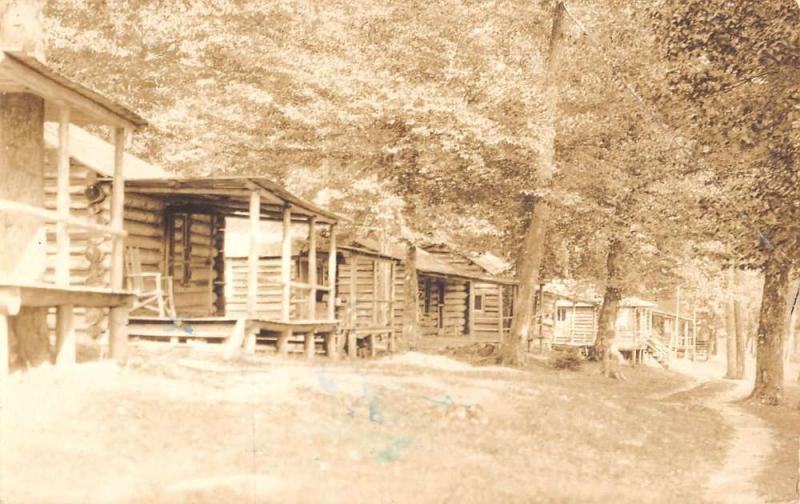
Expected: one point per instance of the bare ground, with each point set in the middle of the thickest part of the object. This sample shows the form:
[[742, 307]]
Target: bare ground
[[179, 425]]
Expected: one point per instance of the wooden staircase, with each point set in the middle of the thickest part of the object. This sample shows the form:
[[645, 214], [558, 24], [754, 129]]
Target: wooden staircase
[[659, 351]]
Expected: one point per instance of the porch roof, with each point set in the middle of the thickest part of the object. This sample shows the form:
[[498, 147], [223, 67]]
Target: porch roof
[[22, 73], [229, 196], [426, 262]]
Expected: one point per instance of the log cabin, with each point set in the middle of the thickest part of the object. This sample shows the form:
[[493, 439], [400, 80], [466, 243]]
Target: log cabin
[[30, 95], [488, 295], [181, 226], [367, 283], [370, 301]]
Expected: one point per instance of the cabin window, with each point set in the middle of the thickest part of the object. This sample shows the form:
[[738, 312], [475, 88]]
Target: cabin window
[[561, 315], [478, 302], [441, 293]]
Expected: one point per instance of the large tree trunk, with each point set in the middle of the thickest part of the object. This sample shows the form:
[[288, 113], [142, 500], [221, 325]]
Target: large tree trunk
[[768, 388], [606, 325], [22, 238], [730, 329], [410, 301], [512, 350]]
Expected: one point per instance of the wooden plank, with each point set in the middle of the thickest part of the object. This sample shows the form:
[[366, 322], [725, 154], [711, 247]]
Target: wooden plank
[[252, 257], [46, 296], [286, 265], [65, 335], [312, 267], [118, 209]]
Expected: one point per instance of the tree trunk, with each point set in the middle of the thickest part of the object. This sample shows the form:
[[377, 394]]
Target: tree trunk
[[606, 325], [730, 329], [741, 334], [410, 301], [512, 349], [768, 388], [22, 239]]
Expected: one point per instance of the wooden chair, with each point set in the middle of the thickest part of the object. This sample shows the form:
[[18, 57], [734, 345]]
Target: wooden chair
[[153, 292]]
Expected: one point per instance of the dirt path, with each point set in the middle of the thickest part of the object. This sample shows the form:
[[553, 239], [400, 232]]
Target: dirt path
[[752, 443]]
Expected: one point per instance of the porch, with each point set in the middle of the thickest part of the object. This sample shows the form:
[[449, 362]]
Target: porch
[[273, 306]]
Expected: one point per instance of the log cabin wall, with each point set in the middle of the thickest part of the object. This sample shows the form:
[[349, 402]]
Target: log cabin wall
[[368, 278], [443, 306], [191, 261], [486, 320]]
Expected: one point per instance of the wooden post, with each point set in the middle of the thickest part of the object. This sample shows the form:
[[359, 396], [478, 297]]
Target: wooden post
[[65, 335], [353, 322], [371, 342], [330, 345], [118, 334], [332, 275], [118, 316], [250, 340], [286, 265], [375, 294], [283, 342], [252, 257], [312, 268], [694, 332], [676, 332], [471, 309], [3, 347], [500, 312], [117, 210], [9, 305], [310, 344], [62, 199], [392, 293], [352, 344]]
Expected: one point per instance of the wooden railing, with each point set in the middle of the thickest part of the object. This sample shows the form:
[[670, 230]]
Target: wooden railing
[[53, 216]]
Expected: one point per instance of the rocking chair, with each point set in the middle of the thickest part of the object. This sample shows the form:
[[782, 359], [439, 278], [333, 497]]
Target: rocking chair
[[153, 292]]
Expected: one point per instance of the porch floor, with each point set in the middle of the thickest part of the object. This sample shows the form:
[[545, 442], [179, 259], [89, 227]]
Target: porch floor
[[311, 336]]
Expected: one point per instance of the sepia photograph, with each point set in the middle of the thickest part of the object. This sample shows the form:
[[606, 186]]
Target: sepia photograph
[[399, 251]]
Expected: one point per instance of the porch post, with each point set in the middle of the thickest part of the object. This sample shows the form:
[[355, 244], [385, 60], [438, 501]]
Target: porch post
[[500, 312], [252, 257], [118, 317], [471, 309], [332, 275], [286, 266], [312, 268], [62, 199]]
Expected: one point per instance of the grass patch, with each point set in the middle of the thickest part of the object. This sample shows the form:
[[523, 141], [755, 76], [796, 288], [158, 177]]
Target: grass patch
[[184, 426]]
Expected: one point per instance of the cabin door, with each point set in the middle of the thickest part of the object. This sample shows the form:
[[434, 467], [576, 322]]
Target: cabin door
[[194, 260]]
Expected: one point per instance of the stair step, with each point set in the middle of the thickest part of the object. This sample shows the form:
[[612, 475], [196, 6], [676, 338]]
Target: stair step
[[168, 334]]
